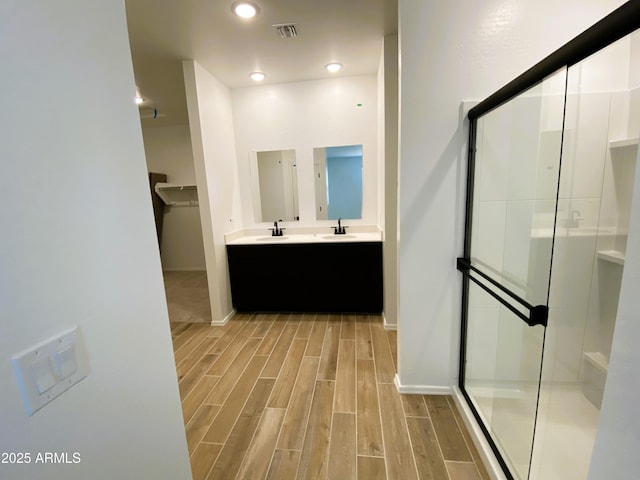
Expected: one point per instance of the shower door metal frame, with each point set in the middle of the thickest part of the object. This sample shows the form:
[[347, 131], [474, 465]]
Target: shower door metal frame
[[621, 22]]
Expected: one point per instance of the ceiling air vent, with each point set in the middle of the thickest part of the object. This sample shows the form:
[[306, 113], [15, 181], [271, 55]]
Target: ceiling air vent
[[286, 30]]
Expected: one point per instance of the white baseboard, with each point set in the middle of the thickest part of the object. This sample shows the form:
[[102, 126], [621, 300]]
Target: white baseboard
[[421, 389], [219, 323], [484, 450], [388, 326]]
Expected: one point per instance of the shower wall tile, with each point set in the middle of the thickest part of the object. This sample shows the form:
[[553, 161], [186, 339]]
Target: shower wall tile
[[623, 164], [548, 164], [608, 207], [539, 263], [634, 113], [592, 142], [585, 146], [605, 71], [495, 343], [482, 339], [634, 67], [493, 155], [619, 115], [488, 241], [552, 105], [572, 268], [523, 138], [511, 337], [519, 219]]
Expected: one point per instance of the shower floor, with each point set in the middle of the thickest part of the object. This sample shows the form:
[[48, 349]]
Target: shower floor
[[565, 431]]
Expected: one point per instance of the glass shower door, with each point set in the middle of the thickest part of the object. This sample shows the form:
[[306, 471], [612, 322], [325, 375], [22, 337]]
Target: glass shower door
[[599, 157], [507, 264]]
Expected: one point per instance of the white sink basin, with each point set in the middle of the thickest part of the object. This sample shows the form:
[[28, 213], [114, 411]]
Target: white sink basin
[[338, 237], [271, 238]]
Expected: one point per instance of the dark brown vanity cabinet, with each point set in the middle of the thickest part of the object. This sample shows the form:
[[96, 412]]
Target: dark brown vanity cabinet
[[306, 277]]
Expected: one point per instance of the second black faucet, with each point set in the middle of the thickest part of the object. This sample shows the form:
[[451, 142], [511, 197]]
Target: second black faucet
[[339, 230]]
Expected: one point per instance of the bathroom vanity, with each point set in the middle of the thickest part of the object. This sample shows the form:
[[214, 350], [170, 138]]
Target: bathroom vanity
[[306, 273]]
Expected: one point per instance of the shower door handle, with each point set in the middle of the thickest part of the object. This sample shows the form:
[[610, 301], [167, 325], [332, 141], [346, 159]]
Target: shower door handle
[[538, 314]]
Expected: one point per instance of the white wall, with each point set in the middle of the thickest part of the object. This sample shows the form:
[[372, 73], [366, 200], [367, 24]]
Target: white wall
[[453, 51], [302, 116], [78, 247], [214, 151], [168, 151], [389, 168]]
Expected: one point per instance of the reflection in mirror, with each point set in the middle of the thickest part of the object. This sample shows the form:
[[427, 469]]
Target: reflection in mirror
[[274, 185], [338, 182]]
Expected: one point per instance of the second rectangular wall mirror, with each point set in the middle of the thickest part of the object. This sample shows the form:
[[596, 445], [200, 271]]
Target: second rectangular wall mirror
[[338, 182]]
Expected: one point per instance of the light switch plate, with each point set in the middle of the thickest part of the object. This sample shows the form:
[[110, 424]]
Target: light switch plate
[[48, 369], [43, 375], [65, 362]]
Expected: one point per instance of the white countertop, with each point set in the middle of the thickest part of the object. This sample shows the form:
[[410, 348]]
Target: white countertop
[[319, 237]]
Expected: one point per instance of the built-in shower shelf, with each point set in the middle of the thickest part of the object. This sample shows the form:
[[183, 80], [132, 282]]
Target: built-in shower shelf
[[612, 256], [598, 360], [626, 142]]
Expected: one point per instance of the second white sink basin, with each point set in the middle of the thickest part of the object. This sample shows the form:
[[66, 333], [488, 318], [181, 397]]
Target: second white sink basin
[[338, 237]]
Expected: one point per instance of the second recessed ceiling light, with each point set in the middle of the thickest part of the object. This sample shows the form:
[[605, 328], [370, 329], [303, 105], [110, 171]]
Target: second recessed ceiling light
[[333, 67], [245, 9], [257, 76]]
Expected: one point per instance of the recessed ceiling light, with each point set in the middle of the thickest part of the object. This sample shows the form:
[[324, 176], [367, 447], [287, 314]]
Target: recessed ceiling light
[[333, 67], [139, 100], [245, 9], [257, 76]]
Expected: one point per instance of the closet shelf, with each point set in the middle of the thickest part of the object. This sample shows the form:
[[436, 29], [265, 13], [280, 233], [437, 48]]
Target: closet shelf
[[598, 360], [611, 256], [177, 195], [625, 142]]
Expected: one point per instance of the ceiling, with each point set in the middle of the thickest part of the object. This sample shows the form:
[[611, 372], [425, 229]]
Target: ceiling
[[165, 32]]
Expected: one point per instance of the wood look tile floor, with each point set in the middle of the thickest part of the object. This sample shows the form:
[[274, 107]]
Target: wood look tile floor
[[311, 396]]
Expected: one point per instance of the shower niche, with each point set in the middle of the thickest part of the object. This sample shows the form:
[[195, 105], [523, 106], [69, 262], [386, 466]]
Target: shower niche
[[611, 244]]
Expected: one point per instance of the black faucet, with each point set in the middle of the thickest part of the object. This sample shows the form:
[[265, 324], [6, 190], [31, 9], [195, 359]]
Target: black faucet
[[275, 231], [339, 230]]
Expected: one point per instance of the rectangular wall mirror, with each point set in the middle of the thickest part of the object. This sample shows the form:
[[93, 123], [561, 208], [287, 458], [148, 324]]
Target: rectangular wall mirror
[[274, 185], [338, 182]]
